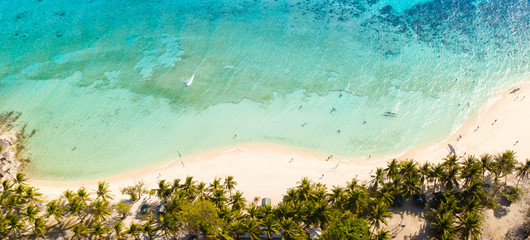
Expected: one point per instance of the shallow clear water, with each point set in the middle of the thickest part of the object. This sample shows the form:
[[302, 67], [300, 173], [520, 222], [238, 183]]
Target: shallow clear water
[[109, 77]]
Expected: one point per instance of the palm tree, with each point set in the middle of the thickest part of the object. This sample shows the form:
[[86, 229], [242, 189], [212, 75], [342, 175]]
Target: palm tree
[[149, 229], [510, 162], [31, 213], [252, 211], [506, 162], [353, 184], [469, 226], [496, 170], [290, 195], [20, 179], [235, 229], [356, 201], [76, 207], [19, 193], [410, 187], [39, 227], [99, 230], [437, 173], [68, 195], [377, 214], [270, 226], [377, 179], [168, 224], [451, 161], [336, 197], [118, 229], [449, 203], [301, 212], [15, 225], [83, 195], [32, 195], [318, 214], [471, 171], [425, 174], [303, 189], [177, 201], [175, 186], [485, 161], [134, 230], [80, 231], [201, 191], [252, 228], [218, 197], [100, 210], [408, 169], [189, 187], [55, 209], [266, 211], [382, 234], [163, 192], [473, 204], [392, 169], [450, 176], [385, 195], [230, 184], [103, 191], [284, 210], [216, 184], [442, 226], [290, 230], [475, 192], [7, 186], [523, 171], [237, 200], [11, 202]]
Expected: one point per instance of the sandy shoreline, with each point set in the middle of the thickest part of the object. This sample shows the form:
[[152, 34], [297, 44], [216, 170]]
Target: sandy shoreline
[[265, 170]]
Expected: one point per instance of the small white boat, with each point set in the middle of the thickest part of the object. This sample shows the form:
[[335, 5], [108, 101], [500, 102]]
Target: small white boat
[[188, 83]]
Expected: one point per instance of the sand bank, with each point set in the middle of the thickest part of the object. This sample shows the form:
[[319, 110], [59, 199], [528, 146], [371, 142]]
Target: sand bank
[[264, 170]]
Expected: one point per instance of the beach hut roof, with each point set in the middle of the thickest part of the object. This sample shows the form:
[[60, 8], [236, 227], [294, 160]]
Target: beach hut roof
[[314, 233]]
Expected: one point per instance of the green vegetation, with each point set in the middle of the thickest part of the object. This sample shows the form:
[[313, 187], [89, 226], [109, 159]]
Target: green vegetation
[[122, 209], [454, 193], [513, 194], [349, 229], [135, 192]]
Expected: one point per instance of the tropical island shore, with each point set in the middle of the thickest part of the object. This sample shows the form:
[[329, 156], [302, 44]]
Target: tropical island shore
[[265, 170]]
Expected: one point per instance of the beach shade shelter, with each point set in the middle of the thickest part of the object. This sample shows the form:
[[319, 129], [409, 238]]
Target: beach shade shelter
[[161, 208], [265, 201], [314, 233], [420, 200], [438, 196], [144, 208], [398, 201]]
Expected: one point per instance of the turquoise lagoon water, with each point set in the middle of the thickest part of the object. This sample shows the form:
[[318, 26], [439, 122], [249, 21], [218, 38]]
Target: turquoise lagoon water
[[110, 76]]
